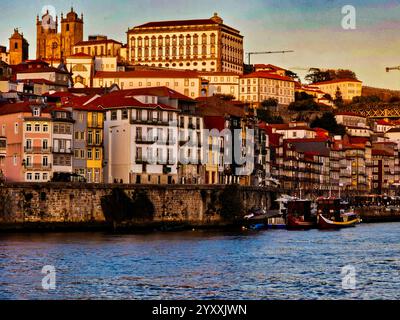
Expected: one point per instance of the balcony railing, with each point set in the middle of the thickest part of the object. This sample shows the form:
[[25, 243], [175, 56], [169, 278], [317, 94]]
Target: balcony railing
[[38, 166], [37, 150], [65, 151]]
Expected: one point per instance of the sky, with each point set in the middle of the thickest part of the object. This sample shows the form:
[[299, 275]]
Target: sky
[[312, 28]]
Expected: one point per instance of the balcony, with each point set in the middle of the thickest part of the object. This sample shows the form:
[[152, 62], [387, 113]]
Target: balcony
[[64, 151], [39, 150], [154, 122], [38, 166]]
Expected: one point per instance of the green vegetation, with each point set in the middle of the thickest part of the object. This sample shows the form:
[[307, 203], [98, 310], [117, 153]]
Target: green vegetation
[[328, 122], [264, 113], [316, 75]]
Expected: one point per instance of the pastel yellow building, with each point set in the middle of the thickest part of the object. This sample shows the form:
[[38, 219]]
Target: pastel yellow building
[[349, 88], [94, 150]]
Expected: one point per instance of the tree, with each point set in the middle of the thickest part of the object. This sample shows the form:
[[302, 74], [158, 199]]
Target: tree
[[225, 97], [291, 74], [327, 96], [338, 101], [328, 122], [304, 105], [316, 75], [299, 96], [264, 112], [270, 102]]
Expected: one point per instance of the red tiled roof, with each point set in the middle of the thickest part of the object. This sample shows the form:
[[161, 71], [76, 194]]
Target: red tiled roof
[[358, 140], [147, 74], [176, 23], [42, 81], [270, 66], [349, 114], [80, 55], [93, 42], [158, 91], [335, 81], [267, 75], [118, 99], [380, 152], [214, 122], [19, 107], [42, 69]]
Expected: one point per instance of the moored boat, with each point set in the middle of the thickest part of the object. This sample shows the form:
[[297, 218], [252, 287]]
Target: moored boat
[[325, 223], [332, 216]]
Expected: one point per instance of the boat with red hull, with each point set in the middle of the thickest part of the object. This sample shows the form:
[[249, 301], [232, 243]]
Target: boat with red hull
[[332, 216], [299, 223], [325, 223]]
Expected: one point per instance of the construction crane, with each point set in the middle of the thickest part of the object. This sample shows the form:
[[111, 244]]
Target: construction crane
[[392, 68], [249, 54]]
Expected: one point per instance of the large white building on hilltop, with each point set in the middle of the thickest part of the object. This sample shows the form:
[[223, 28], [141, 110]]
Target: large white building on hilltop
[[203, 45]]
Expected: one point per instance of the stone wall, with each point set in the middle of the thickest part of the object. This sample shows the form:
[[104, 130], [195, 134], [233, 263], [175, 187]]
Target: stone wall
[[60, 204]]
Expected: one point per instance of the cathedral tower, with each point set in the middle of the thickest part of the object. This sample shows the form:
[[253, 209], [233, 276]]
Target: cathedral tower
[[19, 48], [71, 32]]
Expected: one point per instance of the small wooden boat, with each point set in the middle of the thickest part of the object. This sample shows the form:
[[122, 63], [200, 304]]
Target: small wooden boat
[[325, 223]]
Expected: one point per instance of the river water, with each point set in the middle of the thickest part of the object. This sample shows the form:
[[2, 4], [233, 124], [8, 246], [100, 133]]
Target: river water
[[270, 264]]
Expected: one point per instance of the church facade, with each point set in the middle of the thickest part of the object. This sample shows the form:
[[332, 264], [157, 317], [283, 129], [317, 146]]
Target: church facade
[[53, 46]]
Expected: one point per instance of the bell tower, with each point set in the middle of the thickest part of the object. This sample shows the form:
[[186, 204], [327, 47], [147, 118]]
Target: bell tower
[[71, 32], [44, 28], [19, 48]]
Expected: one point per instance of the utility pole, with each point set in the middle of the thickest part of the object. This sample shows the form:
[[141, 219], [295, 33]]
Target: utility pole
[[249, 54]]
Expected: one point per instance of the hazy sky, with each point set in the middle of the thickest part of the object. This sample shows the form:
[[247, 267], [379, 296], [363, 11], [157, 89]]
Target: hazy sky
[[312, 28]]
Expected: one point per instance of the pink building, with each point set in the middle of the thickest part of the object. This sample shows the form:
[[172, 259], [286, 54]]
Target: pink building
[[26, 128]]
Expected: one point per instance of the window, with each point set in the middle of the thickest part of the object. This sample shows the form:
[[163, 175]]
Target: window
[[45, 176], [28, 127], [45, 144], [97, 154], [90, 137], [29, 144], [113, 115], [89, 154], [37, 176], [15, 159], [124, 114], [45, 161], [36, 112], [82, 154], [37, 127], [16, 128], [97, 137], [45, 128]]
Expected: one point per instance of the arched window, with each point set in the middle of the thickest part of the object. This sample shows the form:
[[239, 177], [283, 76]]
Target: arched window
[[174, 52], [140, 42], [160, 52], [146, 52], [195, 50], [212, 38], [181, 50], [204, 39], [160, 41], [195, 39], [167, 41], [79, 67], [146, 41], [203, 50], [132, 42], [153, 41], [181, 40], [188, 40], [174, 39]]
